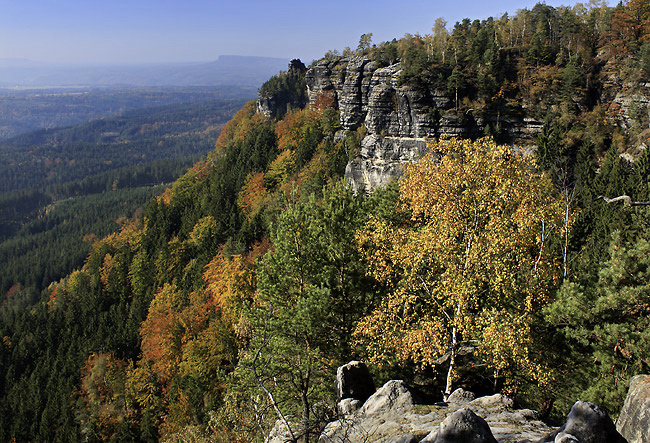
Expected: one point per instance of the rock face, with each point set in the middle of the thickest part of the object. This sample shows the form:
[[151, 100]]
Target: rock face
[[354, 381], [381, 159], [634, 420], [586, 423], [371, 95], [398, 117]]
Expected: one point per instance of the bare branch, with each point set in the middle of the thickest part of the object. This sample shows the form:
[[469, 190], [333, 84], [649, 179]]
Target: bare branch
[[260, 382], [627, 200]]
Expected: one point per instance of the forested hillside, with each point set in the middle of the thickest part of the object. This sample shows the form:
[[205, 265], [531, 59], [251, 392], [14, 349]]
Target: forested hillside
[[63, 188], [31, 109], [228, 303]]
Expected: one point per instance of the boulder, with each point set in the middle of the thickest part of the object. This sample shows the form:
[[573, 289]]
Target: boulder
[[391, 413], [496, 401], [348, 406], [353, 380], [563, 437], [634, 420], [279, 434], [393, 395], [461, 396], [463, 426], [586, 423]]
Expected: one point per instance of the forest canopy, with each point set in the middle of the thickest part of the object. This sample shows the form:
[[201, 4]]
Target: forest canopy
[[227, 303]]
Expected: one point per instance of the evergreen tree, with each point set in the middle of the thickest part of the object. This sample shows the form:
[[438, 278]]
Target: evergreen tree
[[607, 325], [312, 289]]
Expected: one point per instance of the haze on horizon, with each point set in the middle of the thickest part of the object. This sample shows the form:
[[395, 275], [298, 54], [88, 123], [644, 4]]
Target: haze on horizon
[[163, 31]]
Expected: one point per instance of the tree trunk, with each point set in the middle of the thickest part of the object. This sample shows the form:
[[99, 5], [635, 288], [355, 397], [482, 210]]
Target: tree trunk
[[452, 363], [305, 416]]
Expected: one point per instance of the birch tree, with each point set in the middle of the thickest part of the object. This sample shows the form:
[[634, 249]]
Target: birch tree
[[471, 268]]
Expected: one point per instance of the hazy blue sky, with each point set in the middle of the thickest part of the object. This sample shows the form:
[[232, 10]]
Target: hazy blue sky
[[201, 30]]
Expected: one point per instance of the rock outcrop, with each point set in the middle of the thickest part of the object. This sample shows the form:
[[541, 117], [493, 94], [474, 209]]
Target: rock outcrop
[[393, 396], [392, 414], [381, 159], [398, 117], [369, 95], [461, 396], [586, 423], [353, 381], [461, 426], [634, 420]]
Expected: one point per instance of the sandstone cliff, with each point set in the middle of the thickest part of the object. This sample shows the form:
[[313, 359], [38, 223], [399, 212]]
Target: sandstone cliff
[[399, 117]]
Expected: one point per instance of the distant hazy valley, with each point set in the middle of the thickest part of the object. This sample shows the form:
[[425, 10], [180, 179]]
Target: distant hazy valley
[[76, 162], [226, 70], [28, 109]]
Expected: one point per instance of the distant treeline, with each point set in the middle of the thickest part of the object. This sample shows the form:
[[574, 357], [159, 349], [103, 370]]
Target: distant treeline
[[62, 188], [27, 110]]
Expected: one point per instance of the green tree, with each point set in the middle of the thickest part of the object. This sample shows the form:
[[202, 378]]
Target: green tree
[[607, 325], [364, 42], [311, 291]]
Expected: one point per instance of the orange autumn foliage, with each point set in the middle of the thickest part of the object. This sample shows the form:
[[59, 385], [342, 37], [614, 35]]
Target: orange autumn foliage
[[162, 332], [292, 128], [324, 100], [192, 334], [243, 123], [166, 197], [231, 282], [253, 195], [201, 168]]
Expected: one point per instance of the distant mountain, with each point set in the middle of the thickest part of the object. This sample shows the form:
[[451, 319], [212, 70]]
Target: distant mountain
[[226, 70]]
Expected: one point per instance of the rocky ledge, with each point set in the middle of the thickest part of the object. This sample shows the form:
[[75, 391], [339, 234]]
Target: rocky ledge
[[398, 117], [393, 414], [634, 420]]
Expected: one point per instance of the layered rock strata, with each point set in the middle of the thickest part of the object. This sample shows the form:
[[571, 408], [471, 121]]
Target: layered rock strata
[[398, 117]]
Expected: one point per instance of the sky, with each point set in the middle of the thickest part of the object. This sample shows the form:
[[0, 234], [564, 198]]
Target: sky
[[151, 31]]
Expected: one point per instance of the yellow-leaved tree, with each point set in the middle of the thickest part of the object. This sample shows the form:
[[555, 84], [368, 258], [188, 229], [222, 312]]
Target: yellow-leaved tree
[[471, 267]]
